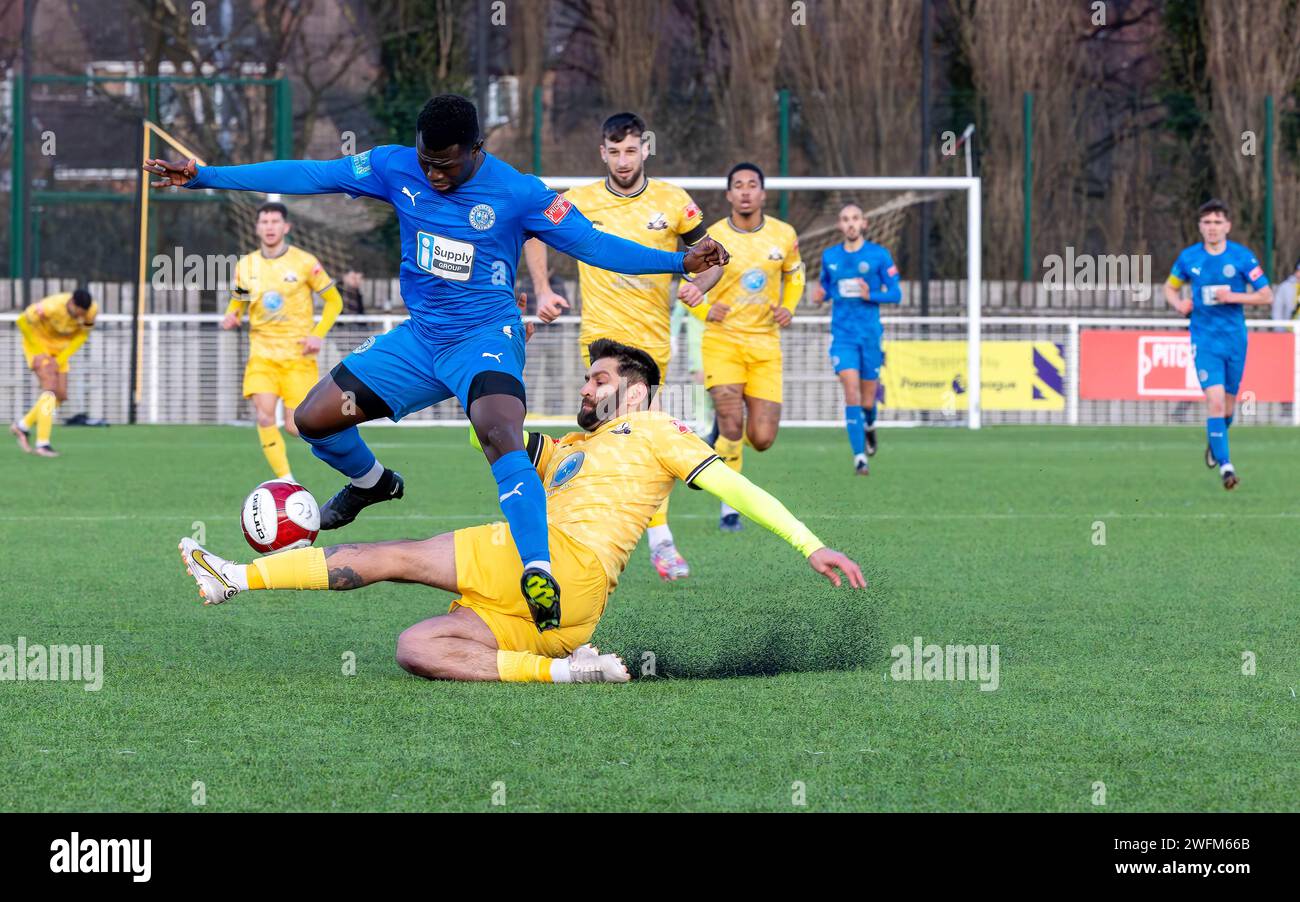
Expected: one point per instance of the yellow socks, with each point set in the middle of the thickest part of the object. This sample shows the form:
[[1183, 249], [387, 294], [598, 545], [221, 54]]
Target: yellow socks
[[660, 517], [301, 568], [273, 448], [42, 416], [523, 667], [731, 451]]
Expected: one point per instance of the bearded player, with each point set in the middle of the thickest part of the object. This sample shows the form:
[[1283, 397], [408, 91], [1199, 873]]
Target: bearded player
[[274, 285], [604, 484], [53, 329], [744, 315], [857, 277], [464, 215], [634, 310], [1225, 278]]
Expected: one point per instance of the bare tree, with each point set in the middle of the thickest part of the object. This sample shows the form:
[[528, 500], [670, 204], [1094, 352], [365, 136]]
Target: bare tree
[[1241, 72]]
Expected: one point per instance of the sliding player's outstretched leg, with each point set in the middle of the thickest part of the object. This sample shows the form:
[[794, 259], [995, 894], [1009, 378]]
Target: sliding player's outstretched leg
[[327, 419], [488, 634]]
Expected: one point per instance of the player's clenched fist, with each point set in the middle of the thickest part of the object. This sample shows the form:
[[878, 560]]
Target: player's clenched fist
[[689, 293], [705, 253], [173, 174], [718, 312]]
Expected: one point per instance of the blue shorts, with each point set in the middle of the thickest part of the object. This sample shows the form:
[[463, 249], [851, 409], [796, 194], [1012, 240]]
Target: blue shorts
[[1219, 362], [860, 351], [410, 373]]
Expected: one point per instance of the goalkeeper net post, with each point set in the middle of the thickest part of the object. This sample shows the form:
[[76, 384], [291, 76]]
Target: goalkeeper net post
[[148, 131]]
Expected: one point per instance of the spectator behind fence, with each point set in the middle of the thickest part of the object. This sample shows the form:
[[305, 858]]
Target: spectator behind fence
[[1284, 299], [353, 303]]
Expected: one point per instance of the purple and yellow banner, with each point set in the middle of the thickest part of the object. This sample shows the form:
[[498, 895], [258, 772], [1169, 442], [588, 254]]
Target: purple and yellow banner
[[1016, 375]]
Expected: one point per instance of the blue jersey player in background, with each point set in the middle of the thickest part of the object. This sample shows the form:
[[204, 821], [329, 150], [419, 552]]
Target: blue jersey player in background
[[1224, 277], [857, 277], [464, 216]]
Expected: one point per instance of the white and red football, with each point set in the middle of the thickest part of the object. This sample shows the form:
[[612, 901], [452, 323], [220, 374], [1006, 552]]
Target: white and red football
[[280, 515]]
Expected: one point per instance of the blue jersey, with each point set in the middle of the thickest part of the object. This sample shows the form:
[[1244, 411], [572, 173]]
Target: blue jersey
[[841, 269], [460, 249], [1237, 269]]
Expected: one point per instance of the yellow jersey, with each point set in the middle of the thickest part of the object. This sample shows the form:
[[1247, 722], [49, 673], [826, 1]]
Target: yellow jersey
[[603, 487], [634, 309], [53, 326], [279, 293], [752, 282]]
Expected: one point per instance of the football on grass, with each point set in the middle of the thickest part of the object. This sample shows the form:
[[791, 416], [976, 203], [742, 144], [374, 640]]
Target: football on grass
[[280, 515]]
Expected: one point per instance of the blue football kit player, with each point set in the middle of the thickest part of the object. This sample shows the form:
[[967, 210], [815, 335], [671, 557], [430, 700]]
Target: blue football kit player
[[1224, 278], [464, 216], [857, 277]]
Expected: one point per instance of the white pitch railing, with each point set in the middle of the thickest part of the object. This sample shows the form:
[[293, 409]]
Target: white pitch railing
[[192, 371]]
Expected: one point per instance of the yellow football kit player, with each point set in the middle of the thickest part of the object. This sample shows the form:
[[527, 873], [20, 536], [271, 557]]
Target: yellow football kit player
[[602, 485], [634, 310], [765, 271], [52, 329], [277, 292], [602, 488], [637, 310]]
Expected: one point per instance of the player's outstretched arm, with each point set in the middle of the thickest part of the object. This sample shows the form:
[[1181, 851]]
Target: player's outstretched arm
[[764, 509], [341, 176], [561, 225]]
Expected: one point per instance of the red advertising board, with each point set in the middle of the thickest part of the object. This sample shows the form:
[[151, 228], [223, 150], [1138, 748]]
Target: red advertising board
[[1134, 365]]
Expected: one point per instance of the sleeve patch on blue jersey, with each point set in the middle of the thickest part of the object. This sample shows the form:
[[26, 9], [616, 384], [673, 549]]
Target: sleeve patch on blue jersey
[[361, 164]]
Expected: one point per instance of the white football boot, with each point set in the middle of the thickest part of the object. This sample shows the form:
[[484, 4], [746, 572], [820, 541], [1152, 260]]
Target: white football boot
[[217, 583], [588, 665]]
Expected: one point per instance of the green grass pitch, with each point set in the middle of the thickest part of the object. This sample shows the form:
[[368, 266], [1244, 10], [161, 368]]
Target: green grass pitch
[[1120, 663]]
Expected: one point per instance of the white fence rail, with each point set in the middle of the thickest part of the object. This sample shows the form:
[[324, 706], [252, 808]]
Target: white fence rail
[[1036, 370]]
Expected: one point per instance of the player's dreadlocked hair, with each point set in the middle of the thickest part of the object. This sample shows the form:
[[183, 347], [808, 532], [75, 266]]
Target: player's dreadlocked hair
[[620, 125], [446, 120], [634, 364]]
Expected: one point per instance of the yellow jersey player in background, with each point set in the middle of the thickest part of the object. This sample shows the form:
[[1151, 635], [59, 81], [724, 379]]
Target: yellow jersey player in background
[[603, 485], [753, 301], [275, 284], [52, 330], [634, 310]]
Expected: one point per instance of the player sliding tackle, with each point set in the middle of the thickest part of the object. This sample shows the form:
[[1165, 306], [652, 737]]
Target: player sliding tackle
[[464, 216], [1222, 273], [604, 485]]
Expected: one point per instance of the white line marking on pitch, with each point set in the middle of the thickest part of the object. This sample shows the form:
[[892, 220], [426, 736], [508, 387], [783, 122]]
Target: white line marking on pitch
[[496, 515]]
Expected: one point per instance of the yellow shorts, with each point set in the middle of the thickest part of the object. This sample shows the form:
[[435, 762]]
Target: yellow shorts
[[32, 350], [488, 571], [289, 379], [753, 361]]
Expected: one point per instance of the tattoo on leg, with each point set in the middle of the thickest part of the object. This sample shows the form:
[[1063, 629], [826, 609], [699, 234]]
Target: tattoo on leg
[[345, 578]]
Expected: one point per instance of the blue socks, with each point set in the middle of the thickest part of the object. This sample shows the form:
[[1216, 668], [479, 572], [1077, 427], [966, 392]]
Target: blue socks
[[853, 423], [344, 451], [1227, 421], [1216, 429], [523, 501], [870, 414]]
